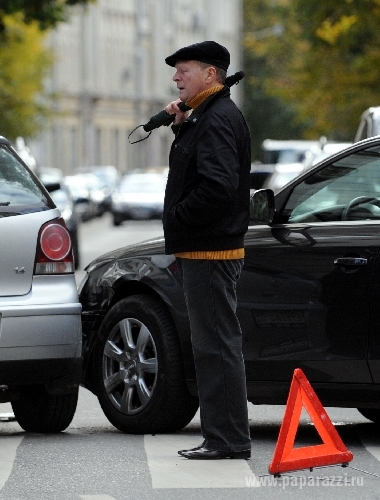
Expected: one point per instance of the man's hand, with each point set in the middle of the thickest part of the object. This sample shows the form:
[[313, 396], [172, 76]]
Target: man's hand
[[173, 109]]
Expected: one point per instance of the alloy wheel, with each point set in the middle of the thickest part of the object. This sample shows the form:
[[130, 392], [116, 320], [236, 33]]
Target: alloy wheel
[[130, 366]]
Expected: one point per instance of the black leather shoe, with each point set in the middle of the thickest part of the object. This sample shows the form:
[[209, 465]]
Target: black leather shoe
[[208, 454], [192, 449]]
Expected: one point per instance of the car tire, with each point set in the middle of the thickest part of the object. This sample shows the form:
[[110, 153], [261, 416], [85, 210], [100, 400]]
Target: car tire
[[116, 221], [39, 411], [138, 371], [371, 413]]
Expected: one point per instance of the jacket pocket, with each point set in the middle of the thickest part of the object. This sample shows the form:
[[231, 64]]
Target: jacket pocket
[[173, 222]]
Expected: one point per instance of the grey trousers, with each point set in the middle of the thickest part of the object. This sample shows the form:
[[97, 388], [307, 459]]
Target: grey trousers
[[210, 294]]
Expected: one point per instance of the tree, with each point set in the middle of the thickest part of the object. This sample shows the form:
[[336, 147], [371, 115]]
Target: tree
[[48, 13], [340, 71], [268, 113], [25, 61], [325, 67]]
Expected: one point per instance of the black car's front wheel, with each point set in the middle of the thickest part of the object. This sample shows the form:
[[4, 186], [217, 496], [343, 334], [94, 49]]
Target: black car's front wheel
[[138, 369]]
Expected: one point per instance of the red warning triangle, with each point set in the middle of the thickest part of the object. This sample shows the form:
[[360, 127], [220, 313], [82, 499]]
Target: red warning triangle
[[332, 451]]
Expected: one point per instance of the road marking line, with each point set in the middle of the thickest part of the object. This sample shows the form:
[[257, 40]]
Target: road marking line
[[372, 444], [169, 470], [8, 449], [96, 497]]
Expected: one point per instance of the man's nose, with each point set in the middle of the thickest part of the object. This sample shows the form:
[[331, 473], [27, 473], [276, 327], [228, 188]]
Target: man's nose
[[175, 77]]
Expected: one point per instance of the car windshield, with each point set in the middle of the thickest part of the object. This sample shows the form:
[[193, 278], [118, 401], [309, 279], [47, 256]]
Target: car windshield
[[337, 184], [19, 192]]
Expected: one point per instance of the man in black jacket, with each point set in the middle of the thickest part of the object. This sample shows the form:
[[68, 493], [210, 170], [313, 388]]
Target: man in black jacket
[[206, 215]]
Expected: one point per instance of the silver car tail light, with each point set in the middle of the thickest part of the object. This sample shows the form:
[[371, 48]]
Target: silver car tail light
[[54, 250]]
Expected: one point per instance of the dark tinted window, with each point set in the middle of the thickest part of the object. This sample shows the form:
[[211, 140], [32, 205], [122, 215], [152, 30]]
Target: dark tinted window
[[19, 193], [329, 190]]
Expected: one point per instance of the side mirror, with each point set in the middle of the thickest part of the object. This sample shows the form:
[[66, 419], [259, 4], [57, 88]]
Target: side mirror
[[80, 200], [52, 186], [262, 206]]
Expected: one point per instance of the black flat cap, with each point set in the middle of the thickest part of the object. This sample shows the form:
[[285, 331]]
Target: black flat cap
[[209, 52]]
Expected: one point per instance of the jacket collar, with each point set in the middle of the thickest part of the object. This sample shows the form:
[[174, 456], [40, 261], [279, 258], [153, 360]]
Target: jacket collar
[[197, 113]]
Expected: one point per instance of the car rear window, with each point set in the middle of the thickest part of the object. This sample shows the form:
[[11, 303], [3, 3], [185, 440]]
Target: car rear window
[[19, 191]]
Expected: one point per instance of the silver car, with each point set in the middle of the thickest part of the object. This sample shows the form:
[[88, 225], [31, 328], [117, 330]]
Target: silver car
[[138, 196], [40, 326]]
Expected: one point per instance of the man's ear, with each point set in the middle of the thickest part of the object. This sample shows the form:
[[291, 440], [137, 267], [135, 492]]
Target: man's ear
[[211, 74]]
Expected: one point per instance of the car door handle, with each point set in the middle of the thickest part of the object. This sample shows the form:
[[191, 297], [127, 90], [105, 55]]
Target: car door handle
[[350, 261]]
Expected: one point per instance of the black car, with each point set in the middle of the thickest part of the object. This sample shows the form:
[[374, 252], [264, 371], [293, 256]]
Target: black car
[[308, 298]]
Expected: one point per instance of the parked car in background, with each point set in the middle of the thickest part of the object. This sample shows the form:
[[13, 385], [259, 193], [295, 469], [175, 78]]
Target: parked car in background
[[40, 322], [322, 151], [286, 172], [259, 174], [97, 192], [138, 196], [282, 174], [369, 124], [277, 152], [287, 151], [87, 207], [307, 298], [108, 177], [53, 180]]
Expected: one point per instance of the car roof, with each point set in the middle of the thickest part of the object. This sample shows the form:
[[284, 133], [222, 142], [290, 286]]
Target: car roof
[[149, 177], [273, 144], [375, 110]]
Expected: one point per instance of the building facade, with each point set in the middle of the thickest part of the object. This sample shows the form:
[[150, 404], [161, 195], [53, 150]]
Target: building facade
[[110, 76]]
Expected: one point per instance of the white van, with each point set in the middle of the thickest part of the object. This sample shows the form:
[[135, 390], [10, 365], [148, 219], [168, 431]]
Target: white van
[[369, 124], [286, 151]]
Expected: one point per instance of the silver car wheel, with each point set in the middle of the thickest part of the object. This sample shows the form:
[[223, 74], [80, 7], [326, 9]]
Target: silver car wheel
[[129, 366]]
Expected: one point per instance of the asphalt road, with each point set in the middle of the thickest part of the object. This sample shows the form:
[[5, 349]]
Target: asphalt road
[[91, 460], [99, 236]]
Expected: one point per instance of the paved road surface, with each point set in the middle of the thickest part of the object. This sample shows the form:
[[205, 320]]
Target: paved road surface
[[93, 461]]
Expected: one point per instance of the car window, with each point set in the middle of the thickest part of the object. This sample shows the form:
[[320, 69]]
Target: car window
[[19, 193], [324, 195]]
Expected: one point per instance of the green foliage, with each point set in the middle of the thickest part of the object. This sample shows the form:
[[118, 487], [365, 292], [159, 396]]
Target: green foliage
[[325, 68], [340, 70], [268, 113], [47, 13], [24, 62]]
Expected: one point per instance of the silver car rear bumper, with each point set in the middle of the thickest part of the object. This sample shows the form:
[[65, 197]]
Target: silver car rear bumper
[[41, 326]]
